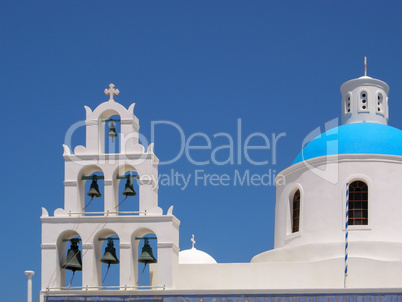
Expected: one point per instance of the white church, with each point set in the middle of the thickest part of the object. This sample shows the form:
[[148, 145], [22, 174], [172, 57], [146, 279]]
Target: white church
[[337, 219]]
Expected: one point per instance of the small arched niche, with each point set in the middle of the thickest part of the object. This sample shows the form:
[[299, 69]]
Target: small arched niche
[[107, 258], [126, 184], [69, 249], [294, 211], [142, 273], [110, 132], [90, 180]]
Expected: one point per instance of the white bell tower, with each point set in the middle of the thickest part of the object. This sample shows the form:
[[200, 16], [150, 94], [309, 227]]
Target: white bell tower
[[89, 228]]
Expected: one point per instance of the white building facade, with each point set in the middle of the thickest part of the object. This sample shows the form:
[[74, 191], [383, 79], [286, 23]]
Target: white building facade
[[337, 226]]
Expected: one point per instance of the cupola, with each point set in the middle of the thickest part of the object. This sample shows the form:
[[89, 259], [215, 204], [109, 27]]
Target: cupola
[[364, 100], [194, 256]]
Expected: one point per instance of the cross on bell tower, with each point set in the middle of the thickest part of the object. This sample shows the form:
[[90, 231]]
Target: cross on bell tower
[[112, 91]]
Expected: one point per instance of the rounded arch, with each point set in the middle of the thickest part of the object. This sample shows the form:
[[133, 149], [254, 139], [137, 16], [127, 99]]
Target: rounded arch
[[355, 178], [110, 131], [61, 245], [98, 246], [112, 108], [104, 112], [107, 113], [89, 170], [142, 232], [61, 248], [122, 169], [137, 245], [118, 188], [86, 171], [295, 215]]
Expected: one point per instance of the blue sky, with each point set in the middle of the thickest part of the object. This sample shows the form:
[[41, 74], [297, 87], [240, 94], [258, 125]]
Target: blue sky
[[276, 66]]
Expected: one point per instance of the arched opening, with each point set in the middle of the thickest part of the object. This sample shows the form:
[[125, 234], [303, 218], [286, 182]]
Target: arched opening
[[128, 192], [296, 211], [110, 260], [107, 257], [358, 203], [145, 253], [111, 123], [92, 192], [70, 255], [293, 211]]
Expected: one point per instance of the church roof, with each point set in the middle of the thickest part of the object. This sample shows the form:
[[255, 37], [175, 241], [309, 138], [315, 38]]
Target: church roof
[[194, 256], [356, 138]]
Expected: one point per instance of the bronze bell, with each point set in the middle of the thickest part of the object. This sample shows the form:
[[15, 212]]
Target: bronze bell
[[129, 189], [73, 260], [94, 189], [109, 256], [146, 254], [112, 132]]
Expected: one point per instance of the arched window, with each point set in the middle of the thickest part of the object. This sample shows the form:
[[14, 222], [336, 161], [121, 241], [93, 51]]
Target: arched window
[[296, 212], [358, 203]]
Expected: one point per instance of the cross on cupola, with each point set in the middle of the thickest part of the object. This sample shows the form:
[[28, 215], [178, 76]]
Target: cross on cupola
[[111, 91], [193, 241]]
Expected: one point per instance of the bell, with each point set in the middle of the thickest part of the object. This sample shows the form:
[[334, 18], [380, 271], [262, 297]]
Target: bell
[[73, 260], [129, 189], [146, 254], [109, 256], [112, 132], [94, 190]]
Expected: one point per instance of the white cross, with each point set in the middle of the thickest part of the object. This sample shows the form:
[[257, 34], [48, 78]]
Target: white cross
[[365, 66], [111, 91], [193, 241]]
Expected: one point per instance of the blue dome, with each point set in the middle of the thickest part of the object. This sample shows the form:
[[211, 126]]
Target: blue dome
[[358, 138]]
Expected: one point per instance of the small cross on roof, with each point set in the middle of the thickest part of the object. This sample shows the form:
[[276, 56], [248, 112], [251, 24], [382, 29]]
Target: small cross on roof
[[193, 241]]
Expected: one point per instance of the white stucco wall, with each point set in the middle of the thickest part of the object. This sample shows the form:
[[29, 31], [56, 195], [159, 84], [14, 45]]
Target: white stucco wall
[[323, 203], [363, 273]]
